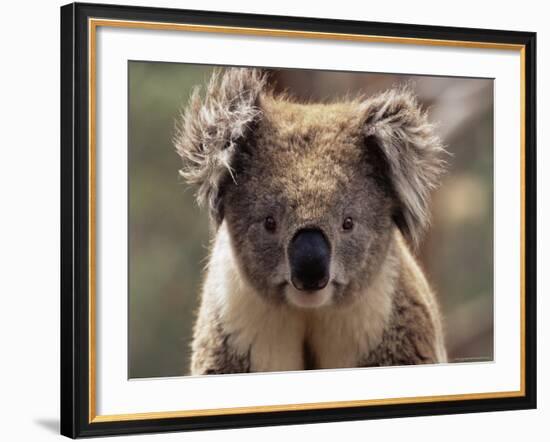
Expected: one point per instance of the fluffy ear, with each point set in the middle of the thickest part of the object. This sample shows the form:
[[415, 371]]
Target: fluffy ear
[[395, 122], [211, 128]]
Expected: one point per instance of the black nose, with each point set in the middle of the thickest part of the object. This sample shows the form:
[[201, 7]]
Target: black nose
[[309, 256]]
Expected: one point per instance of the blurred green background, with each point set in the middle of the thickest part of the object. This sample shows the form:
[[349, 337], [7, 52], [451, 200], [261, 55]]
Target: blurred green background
[[168, 235]]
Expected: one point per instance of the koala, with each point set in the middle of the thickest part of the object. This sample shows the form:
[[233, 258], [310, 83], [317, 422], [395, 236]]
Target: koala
[[316, 209]]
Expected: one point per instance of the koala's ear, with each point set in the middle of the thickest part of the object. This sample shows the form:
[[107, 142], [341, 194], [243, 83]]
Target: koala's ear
[[211, 128], [397, 125]]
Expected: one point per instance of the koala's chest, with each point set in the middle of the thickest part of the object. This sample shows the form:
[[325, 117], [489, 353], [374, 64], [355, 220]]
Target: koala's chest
[[278, 345], [283, 341]]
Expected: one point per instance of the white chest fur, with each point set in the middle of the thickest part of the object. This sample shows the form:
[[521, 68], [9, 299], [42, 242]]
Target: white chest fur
[[340, 336], [272, 334]]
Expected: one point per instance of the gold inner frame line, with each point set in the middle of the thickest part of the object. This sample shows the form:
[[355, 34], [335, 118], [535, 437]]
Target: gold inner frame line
[[93, 24]]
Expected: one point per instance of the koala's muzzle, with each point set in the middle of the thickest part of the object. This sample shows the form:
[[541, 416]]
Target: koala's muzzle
[[309, 257]]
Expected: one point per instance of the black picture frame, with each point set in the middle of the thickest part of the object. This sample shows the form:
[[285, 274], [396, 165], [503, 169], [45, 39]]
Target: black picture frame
[[75, 219]]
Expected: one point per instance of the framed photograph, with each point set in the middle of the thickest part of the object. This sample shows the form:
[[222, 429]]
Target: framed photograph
[[279, 220]]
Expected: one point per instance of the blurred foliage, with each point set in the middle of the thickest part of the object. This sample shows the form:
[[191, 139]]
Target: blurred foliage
[[168, 233], [169, 236]]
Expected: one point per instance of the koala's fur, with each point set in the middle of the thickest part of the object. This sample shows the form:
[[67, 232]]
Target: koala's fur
[[254, 154]]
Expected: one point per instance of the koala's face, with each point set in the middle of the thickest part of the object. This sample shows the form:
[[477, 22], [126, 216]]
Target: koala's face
[[311, 193], [310, 208]]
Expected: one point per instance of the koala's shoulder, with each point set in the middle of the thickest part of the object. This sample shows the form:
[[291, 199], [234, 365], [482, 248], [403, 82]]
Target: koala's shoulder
[[212, 352], [414, 332]]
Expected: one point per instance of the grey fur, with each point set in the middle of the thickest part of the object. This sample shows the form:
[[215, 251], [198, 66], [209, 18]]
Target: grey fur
[[213, 352], [210, 128], [412, 149]]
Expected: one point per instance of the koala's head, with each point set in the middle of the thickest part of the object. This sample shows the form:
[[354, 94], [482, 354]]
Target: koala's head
[[311, 193]]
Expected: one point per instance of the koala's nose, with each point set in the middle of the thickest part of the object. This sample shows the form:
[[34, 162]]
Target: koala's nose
[[309, 257]]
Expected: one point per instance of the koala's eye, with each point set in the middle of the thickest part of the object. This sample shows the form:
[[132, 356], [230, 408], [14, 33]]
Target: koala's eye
[[347, 224], [270, 224]]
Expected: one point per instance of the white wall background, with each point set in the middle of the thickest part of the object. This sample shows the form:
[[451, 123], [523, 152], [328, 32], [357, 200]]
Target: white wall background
[[29, 220]]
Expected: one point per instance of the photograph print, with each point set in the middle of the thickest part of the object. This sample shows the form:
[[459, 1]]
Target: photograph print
[[293, 219]]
